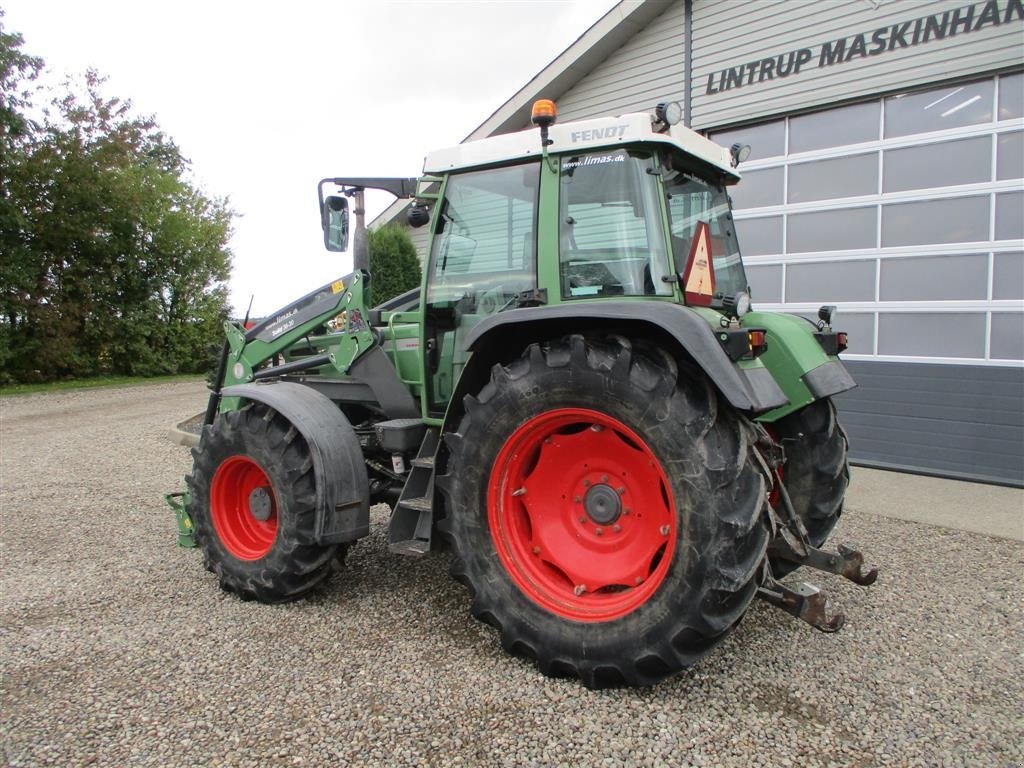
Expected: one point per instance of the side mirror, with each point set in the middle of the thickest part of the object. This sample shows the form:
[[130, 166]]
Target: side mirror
[[334, 219]]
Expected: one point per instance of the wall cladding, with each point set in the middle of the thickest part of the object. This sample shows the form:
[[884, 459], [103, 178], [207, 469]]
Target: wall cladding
[[645, 70], [915, 229], [803, 39], [961, 421]]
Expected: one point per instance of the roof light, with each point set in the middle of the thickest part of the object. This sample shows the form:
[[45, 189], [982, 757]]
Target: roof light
[[739, 152], [668, 112], [544, 113]]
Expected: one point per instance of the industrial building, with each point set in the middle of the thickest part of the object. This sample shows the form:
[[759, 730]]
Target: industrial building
[[886, 177]]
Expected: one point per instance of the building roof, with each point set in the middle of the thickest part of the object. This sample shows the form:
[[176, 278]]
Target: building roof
[[608, 34]]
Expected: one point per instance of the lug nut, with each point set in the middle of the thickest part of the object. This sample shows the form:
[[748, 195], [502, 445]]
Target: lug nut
[[620, 490], [616, 527], [598, 531], [586, 483], [536, 550], [604, 478], [577, 499], [583, 519], [579, 589]]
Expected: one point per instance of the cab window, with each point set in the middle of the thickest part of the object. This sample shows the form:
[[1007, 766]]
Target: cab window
[[611, 237]]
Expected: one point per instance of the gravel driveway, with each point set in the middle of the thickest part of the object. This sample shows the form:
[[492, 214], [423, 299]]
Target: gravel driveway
[[117, 647]]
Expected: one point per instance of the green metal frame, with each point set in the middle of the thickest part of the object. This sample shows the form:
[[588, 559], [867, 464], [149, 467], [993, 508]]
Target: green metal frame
[[343, 348]]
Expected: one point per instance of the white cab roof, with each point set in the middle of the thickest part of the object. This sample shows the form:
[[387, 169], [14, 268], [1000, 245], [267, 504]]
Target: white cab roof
[[582, 135]]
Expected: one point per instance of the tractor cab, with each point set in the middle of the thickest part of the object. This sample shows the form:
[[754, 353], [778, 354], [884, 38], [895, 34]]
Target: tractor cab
[[626, 208]]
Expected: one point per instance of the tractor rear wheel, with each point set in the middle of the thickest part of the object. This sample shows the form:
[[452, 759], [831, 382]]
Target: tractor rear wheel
[[816, 471], [605, 510], [253, 506]]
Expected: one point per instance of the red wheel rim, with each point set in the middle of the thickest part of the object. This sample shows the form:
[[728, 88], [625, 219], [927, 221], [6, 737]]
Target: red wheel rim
[[244, 508], [581, 515]]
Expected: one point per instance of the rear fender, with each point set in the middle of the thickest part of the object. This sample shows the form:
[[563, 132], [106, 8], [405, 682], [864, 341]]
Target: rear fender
[[342, 490], [748, 387], [799, 363]]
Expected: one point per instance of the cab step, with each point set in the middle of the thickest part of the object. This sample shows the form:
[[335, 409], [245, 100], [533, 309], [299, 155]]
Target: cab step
[[412, 520]]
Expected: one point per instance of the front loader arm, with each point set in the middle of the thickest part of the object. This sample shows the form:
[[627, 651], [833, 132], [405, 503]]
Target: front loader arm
[[248, 351]]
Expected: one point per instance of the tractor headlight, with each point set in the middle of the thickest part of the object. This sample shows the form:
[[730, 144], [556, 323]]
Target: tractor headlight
[[668, 112]]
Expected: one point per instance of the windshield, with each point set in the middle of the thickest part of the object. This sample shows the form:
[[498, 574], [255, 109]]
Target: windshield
[[692, 201], [611, 240]]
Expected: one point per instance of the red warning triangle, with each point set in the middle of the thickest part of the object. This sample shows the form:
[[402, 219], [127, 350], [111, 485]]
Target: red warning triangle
[[699, 277]]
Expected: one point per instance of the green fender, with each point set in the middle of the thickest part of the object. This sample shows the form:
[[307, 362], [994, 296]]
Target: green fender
[[799, 365]]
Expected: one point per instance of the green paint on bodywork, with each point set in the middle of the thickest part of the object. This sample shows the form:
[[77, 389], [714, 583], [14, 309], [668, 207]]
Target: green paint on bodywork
[[549, 274], [792, 353], [402, 343]]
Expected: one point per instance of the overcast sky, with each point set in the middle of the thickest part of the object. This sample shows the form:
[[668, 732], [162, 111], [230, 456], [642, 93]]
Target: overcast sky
[[267, 102]]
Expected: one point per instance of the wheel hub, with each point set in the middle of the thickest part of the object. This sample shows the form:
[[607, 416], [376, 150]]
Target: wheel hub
[[261, 503], [581, 514], [602, 504], [243, 508]]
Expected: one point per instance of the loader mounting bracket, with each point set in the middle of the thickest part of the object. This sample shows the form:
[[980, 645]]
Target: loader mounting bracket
[[179, 501]]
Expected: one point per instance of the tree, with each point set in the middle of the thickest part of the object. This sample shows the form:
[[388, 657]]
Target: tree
[[17, 71], [113, 261], [394, 264]]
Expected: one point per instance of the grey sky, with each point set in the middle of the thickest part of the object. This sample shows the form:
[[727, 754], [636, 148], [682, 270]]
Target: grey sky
[[267, 99]]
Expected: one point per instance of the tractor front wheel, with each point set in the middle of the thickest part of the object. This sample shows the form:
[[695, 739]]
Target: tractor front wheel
[[253, 506], [605, 510]]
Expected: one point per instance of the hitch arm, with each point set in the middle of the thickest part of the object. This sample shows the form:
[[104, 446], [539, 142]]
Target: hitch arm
[[805, 601], [847, 562]]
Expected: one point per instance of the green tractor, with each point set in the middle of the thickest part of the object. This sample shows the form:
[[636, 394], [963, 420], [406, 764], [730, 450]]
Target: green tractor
[[579, 401]]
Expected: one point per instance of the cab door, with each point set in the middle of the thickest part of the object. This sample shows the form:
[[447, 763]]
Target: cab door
[[482, 257]]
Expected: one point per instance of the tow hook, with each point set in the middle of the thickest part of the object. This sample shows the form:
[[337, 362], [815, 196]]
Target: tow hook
[[805, 601]]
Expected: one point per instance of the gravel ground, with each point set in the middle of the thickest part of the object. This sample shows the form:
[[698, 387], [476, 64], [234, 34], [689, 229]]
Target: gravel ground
[[117, 647]]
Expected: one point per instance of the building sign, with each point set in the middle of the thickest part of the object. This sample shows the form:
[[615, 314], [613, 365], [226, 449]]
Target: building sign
[[926, 29]]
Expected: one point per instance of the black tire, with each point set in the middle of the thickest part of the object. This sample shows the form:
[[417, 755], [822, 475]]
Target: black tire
[[717, 493], [283, 567], [816, 471]]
